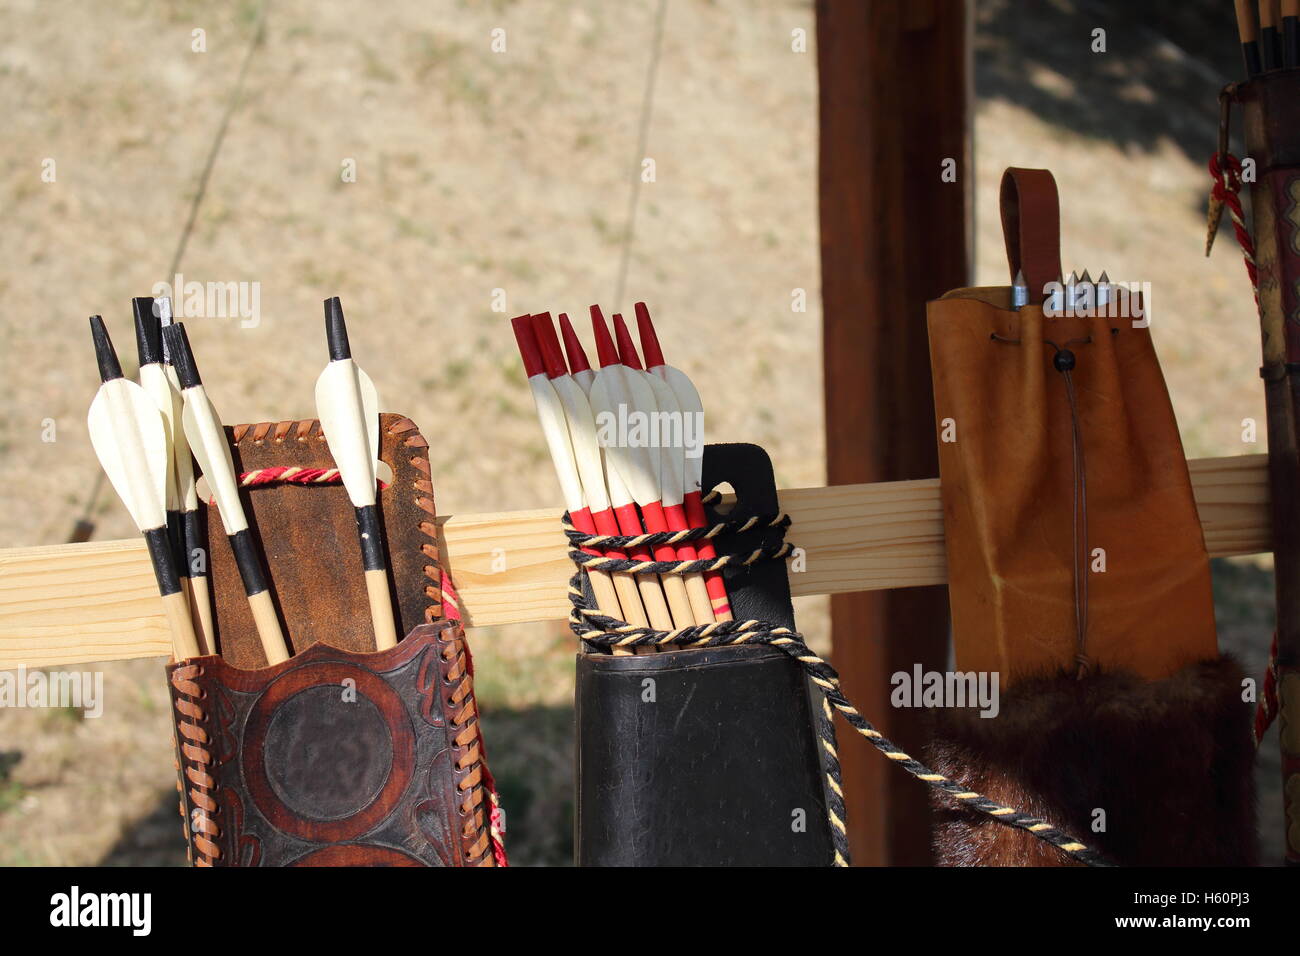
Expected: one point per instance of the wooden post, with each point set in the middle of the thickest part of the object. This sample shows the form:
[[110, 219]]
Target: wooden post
[[894, 108], [1270, 119]]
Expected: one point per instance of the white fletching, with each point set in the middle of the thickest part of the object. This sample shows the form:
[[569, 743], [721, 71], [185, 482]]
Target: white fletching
[[130, 440], [672, 451], [153, 379], [618, 493], [208, 443], [582, 435], [182, 460], [688, 400], [616, 388], [348, 408], [550, 412]]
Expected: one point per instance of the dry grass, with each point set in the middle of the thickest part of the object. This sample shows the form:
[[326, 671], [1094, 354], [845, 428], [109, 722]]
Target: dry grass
[[480, 172]]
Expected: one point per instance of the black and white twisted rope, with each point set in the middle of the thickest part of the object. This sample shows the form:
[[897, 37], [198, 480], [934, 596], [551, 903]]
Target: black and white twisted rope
[[601, 631]]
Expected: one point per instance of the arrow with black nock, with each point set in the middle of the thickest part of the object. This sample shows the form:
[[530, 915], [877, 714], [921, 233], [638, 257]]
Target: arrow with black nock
[[207, 438], [129, 437], [667, 514], [348, 408], [193, 546]]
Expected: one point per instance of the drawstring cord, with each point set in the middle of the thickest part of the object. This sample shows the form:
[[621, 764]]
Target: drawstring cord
[[1064, 361]]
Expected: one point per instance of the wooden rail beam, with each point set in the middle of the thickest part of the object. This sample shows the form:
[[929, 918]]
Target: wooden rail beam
[[72, 604]]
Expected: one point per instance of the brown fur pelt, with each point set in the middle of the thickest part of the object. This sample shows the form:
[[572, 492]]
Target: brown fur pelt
[[1169, 762]]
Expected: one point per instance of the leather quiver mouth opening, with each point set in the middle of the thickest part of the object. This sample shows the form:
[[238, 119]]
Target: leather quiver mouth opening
[[305, 533], [342, 755], [706, 756]]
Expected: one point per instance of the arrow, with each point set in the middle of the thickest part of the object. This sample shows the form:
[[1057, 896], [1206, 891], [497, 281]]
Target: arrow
[[153, 379], [590, 460], [622, 508], [1270, 41], [612, 597], [689, 400], [207, 438], [348, 408], [130, 440], [667, 514], [1248, 29], [620, 499], [193, 545], [615, 395]]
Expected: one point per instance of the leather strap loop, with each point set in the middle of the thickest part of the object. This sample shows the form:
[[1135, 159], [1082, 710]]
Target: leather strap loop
[[1031, 225]]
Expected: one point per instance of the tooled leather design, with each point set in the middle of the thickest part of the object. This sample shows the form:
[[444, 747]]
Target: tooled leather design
[[247, 847], [337, 759], [450, 689]]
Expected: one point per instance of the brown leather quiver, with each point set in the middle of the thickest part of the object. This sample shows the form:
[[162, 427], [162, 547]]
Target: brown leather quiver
[[1078, 574], [340, 755]]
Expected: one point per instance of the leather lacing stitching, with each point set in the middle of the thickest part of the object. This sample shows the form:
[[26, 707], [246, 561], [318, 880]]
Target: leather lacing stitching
[[195, 763], [600, 631], [468, 758], [477, 801]]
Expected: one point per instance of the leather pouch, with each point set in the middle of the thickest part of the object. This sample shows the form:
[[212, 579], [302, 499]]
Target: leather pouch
[[340, 755], [706, 757], [1106, 653], [1009, 477]]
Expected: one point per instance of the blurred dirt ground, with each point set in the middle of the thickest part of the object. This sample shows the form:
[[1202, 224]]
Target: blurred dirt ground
[[480, 175]]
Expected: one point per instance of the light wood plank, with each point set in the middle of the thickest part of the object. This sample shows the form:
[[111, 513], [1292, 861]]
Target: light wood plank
[[74, 603]]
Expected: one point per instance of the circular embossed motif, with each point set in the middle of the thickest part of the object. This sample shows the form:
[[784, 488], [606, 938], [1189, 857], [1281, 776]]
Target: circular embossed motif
[[327, 757], [323, 768]]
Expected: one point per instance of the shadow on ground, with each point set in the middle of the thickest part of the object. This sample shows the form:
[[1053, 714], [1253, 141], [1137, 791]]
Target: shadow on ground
[[1149, 83]]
